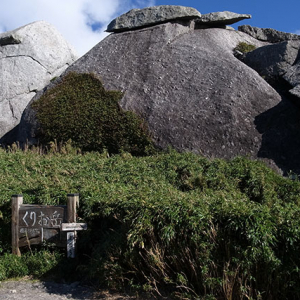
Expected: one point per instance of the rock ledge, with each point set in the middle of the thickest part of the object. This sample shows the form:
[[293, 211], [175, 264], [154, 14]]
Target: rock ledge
[[137, 18]]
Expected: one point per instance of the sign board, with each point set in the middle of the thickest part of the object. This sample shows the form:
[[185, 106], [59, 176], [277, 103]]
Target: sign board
[[34, 224], [73, 226], [38, 223]]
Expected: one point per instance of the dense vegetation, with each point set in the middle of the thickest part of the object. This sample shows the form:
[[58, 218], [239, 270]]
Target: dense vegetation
[[170, 222], [80, 109], [245, 47]]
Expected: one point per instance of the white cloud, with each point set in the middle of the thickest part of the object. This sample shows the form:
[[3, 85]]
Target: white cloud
[[297, 31], [73, 18]]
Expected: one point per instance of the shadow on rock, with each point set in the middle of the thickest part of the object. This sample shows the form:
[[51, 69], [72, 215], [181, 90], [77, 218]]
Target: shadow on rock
[[280, 129]]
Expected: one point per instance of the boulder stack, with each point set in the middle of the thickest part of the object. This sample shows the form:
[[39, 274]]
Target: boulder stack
[[223, 18], [191, 90], [139, 18], [279, 64], [268, 34]]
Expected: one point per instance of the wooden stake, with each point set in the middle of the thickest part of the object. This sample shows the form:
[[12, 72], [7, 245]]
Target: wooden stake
[[73, 200], [16, 202], [71, 244]]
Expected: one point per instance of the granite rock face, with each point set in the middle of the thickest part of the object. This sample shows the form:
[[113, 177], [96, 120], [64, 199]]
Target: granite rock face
[[137, 18], [268, 34], [278, 62], [193, 93], [273, 60], [292, 76], [30, 57], [222, 18]]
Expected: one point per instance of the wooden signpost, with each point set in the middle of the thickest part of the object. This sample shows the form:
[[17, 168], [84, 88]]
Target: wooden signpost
[[34, 224]]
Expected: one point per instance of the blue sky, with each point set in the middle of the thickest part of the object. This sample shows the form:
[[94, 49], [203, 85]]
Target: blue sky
[[83, 22], [283, 15]]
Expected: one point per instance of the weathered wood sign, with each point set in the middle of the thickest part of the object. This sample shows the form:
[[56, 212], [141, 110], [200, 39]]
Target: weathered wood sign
[[38, 223], [73, 226], [34, 224]]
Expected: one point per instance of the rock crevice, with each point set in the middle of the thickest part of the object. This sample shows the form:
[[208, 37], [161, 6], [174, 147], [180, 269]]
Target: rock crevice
[[18, 56]]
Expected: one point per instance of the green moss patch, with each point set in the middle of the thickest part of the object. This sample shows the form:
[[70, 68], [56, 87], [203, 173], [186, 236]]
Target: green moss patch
[[80, 109], [245, 47]]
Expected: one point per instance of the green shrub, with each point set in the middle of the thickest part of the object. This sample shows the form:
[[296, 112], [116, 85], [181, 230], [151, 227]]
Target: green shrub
[[14, 266], [168, 222], [41, 262], [37, 264], [80, 109], [244, 47]]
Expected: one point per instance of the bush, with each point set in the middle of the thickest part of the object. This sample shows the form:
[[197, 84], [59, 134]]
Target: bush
[[207, 228], [168, 222], [36, 264], [80, 109], [244, 47]]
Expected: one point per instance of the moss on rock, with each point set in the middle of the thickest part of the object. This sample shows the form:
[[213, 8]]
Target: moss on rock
[[245, 47], [80, 109]]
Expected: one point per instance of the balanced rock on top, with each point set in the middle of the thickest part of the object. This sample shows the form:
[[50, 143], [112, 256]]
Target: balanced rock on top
[[221, 18], [138, 18]]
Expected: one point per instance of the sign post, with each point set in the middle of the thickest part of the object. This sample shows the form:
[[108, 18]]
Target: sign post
[[16, 202], [73, 200], [33, 224]]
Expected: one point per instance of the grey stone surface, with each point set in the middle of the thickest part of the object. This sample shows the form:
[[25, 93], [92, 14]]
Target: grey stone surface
[[292, 76], [277, 62], [268, 34], [30, 57], [296, 91], [273, 60], [137, 18], [222, 18], [194, 94]]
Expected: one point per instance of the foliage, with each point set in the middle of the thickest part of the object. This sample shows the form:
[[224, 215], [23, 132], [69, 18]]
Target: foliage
[[35, 264], [244, 47], [80, 109], [199, 228]]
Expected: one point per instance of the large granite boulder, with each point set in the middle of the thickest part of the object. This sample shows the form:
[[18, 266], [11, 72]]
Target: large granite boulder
[[221, 18], [268, 34], [273, 60], [137, 18], [279, 64], [30, 57], [292, 76], [193, 93]]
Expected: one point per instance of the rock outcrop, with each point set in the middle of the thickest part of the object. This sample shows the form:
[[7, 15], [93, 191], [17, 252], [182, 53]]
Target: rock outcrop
[[190, 89], [268, 34], [194, 94], [222, 18], [30, 57], [278, 63], [138, 18], [292, 76], [273, 60]]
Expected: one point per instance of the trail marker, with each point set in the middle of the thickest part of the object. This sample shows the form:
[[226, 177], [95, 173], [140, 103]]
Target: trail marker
[[33, 224]]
